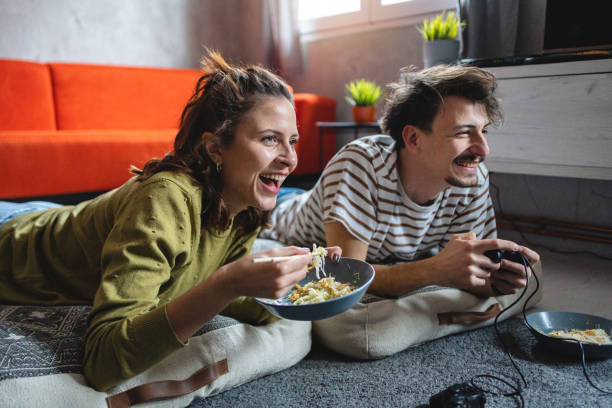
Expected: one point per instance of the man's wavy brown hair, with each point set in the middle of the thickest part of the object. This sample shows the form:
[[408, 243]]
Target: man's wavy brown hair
[[223, 95], [416, 98]]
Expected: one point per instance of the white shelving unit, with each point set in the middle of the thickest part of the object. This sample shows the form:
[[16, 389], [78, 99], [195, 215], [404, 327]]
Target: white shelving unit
[[558, 120]]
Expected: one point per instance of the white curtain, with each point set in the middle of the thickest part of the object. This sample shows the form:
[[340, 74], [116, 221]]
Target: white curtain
[[281, 37], [254, 31]]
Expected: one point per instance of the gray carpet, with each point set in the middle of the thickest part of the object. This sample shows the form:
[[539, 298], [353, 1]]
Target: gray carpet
[[409, 378]]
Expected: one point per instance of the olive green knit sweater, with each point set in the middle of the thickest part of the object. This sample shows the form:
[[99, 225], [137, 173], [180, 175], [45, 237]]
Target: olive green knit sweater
[[128, 252]]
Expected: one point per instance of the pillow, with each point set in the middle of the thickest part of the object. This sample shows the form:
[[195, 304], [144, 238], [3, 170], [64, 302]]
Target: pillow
[[377, 327], [41, 349]]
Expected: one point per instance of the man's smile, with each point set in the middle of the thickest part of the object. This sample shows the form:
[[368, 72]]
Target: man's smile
[[468, 161]]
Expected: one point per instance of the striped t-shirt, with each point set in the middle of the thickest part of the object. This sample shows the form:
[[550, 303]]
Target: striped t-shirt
[[361, 189]]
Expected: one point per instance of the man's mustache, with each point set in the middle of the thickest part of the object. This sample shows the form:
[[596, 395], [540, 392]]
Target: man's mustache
[[470, 157]]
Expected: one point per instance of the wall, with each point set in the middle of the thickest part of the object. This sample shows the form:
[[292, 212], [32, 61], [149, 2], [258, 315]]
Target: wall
[[161, 33], [172, 33], [112, 32], [374, 55]]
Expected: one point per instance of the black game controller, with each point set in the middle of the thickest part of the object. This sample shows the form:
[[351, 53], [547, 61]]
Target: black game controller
[[458, 395], [496, 255]]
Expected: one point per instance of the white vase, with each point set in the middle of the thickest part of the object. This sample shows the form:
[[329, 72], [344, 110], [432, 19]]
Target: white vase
[[440, 52]]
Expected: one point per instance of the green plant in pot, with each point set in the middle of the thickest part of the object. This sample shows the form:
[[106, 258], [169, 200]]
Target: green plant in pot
[[441, 45], [363, 95]]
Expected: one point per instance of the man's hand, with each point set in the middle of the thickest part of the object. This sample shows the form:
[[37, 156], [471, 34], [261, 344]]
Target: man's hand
[[510, 276], [462, 264]]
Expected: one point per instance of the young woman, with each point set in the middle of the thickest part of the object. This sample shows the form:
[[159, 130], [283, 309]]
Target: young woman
[[161, 255]]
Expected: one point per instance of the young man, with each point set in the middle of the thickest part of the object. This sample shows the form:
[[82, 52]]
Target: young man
[[415, 202]]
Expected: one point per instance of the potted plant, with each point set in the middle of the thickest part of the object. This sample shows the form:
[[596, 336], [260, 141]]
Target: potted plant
[[362, 95], [440, 34]]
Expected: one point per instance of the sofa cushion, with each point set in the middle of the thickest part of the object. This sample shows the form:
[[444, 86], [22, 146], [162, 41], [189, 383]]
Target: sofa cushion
[[311, 108], [91, 96], [26, 96], [38, 163]]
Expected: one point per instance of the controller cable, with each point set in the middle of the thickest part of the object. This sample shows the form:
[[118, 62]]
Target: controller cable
[[517, 389]]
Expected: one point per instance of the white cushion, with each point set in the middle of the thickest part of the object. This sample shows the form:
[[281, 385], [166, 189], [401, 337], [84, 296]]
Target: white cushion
[[377, 328], [40, 358]]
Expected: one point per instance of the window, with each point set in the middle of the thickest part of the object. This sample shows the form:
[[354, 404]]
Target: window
[[320, 18], [311, 9]]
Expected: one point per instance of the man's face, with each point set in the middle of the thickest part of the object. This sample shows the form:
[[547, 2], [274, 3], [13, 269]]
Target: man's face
[[457, 142]]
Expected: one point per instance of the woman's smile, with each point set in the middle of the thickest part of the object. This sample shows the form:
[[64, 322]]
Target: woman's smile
[[272, 182]]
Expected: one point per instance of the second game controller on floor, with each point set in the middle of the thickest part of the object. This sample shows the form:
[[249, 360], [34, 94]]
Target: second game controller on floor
[[458, 395]]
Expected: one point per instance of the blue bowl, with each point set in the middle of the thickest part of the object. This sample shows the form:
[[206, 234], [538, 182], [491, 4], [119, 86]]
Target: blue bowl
[[352, 271], [542, 323]]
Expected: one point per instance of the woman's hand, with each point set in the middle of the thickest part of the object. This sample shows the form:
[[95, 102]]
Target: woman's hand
[[190, 311], [266, 279], [271, 279], [334, 253]]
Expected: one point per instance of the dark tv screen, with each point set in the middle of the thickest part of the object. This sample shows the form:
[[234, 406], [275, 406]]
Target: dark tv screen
[[577, 25]]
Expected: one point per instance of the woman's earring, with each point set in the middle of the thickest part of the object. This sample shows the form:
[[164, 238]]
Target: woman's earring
[[219, 167]]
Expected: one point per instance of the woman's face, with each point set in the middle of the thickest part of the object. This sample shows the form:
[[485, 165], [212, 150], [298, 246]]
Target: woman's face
[[261, 156]]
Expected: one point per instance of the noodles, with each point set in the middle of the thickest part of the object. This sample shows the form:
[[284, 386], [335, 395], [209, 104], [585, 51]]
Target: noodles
[[318, 259], [319, 291], [597, 336]]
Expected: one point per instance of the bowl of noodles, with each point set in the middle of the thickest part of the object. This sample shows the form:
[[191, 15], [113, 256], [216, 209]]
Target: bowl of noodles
[[325, 293], [561, 332]]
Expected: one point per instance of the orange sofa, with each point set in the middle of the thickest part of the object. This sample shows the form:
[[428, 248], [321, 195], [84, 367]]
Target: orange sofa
[[77, 128]]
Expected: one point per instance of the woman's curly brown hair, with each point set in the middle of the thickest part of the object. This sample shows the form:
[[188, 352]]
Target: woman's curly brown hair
[[223, 95]]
